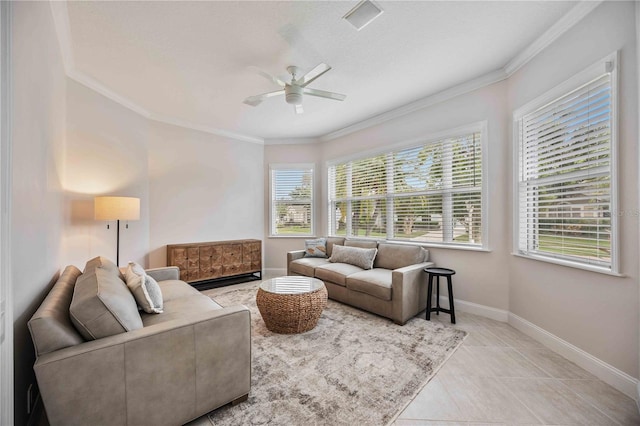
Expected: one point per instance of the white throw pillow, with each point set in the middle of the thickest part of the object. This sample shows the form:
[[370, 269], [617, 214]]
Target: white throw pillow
[[144, 288], [315, 248], [354, 256]]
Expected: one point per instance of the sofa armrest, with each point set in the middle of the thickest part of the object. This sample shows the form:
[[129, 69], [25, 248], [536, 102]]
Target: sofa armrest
[[167, 373], [409, 291], [164, 274], [293, 255]]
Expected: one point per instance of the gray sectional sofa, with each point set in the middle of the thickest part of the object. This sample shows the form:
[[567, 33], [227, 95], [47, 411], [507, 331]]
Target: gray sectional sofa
[[138, 368], [394, 288]]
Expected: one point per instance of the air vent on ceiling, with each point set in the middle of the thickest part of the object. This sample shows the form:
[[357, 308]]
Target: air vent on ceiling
[[363, 14]]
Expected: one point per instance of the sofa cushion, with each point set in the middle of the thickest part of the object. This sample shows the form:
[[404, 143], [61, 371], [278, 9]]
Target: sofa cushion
[[175, 289], [145, 289], [104, 263], [354, 256], [331, 241], [306, 266], [102, 305], [181, 307], [315, 248], [394, 256], [375, 282], [367, 244], [336, 272], [51, 328]]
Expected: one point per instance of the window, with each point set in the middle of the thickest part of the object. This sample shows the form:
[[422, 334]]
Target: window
[[292, 200], [565, 210], [428, 193]]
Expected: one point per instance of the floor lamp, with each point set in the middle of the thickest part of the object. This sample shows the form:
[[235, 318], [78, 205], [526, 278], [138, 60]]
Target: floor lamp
[[117, 208]]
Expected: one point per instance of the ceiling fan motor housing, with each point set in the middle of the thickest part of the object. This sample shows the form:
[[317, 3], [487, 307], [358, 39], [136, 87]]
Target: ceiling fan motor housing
[[293, 94]]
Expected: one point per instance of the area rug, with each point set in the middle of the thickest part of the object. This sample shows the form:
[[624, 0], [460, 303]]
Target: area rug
[[353, 368]]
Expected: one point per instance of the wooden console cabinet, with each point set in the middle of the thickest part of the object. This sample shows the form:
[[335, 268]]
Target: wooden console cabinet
[[216, 259]]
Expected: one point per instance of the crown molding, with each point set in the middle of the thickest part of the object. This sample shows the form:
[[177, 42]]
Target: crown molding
[[452, 92], [63, 31], [565, 23], [206, 129], [577, 13], [291, 141]]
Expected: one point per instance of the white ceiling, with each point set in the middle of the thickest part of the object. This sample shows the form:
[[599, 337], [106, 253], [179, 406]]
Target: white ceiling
[[190, 61]]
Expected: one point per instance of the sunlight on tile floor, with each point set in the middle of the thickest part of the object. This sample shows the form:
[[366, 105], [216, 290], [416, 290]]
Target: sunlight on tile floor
[[501, 376]]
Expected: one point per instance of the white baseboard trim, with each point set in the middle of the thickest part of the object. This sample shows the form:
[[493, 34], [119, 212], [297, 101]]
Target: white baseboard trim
[[476, 309], [620, 380]]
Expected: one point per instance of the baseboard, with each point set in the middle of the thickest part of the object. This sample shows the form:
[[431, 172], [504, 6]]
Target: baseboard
[[605, 372], [476, 309]]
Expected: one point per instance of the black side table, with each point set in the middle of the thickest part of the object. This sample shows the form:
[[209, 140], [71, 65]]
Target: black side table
[[437, 273]]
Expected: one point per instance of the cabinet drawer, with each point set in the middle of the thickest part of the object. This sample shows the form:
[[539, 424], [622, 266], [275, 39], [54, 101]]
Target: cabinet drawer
[[231, 253], [178, 257], [232, 269], [193, 257]]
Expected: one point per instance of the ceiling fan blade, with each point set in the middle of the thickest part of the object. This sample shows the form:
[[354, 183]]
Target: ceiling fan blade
[[312, 75], [299, 109], [323, 94], [257, 99], [269, 77]]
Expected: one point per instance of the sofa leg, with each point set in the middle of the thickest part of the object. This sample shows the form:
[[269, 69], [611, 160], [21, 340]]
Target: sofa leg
[[237, 401]]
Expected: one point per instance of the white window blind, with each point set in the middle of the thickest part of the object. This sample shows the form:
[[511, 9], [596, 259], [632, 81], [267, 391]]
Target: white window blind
[[292, 200], [565, 176], [427, 193]]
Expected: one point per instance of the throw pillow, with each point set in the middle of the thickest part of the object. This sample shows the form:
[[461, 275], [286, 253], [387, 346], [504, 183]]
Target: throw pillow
[[315, 248], [354, 256], [145, 289]]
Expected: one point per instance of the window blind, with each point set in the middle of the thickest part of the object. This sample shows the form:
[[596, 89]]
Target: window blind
[[292, 201], [431, 193], [565, 173]]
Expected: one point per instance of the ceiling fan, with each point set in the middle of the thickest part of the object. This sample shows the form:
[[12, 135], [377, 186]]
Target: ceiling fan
[[294, 90]]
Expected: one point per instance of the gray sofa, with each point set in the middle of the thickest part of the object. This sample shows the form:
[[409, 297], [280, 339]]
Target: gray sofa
[[174, 367], [394, 288]]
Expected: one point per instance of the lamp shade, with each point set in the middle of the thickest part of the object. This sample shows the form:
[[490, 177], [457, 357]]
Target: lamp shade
[[117, 208]]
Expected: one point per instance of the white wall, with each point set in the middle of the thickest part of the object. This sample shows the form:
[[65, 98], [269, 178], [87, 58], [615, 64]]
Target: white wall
[[202, 187], [106, 155], [595, 312], [37, 160]]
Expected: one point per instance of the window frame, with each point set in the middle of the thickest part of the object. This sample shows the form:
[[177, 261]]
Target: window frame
[[480, 127], [311, 167], [608, 64]]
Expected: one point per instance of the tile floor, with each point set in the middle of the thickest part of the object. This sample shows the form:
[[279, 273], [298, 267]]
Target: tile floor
[[501, 376]]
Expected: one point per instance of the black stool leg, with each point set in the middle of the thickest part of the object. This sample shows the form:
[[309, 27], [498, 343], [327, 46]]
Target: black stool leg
[[438, 296], [429, 294], [453, 312]]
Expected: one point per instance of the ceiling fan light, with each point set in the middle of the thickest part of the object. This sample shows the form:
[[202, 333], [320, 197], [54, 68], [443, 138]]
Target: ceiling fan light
[[363, 14], [293, 95]]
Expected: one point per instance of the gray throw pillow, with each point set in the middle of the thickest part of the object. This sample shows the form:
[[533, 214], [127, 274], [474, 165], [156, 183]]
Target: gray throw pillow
[[145, 289], [354, 256], [315, 248]]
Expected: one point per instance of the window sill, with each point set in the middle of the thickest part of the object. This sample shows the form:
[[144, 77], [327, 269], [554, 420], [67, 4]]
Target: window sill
[[570, 264], [424, 244]]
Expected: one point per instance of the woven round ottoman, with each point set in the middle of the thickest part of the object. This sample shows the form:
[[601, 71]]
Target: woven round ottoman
[[290, 305]]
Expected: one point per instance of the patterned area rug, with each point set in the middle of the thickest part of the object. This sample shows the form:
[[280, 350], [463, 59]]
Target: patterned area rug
[[353, 368]]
